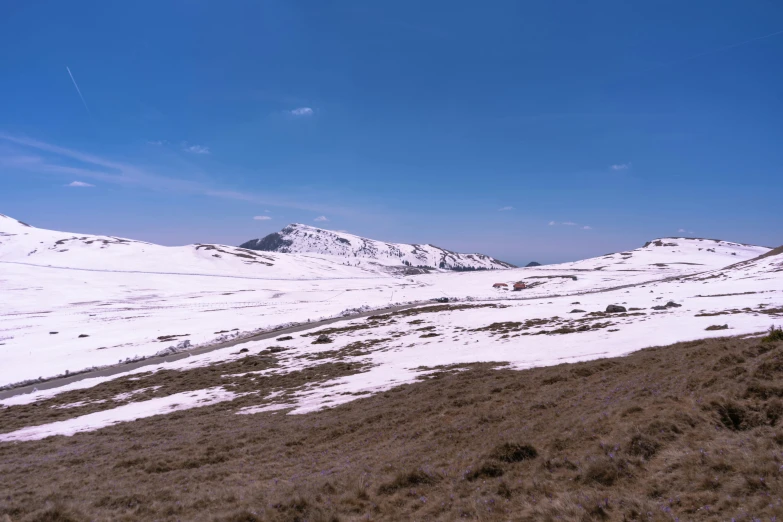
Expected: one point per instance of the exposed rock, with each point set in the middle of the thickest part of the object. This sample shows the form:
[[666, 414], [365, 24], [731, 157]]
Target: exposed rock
[[323, 339], [615, 309], [576, 311], [533, 263], [670, 304], [717, 327], [284, 338], [83, 335]]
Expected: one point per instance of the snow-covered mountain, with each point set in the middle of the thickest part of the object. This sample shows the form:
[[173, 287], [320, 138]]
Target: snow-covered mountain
[[298, 238], [23, 244]]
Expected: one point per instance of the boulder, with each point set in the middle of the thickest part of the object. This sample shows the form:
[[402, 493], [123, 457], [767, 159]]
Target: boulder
[[322, 339], [670, 304], [717, 327], [576, 311], [615, 309]]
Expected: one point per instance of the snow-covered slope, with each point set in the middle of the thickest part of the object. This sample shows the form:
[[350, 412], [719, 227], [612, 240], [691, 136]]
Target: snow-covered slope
[[72, 301], [23, 244], [303, 238], [671, 254]]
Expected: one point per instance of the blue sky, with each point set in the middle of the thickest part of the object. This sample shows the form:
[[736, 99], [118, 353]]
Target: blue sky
[[526, 130]]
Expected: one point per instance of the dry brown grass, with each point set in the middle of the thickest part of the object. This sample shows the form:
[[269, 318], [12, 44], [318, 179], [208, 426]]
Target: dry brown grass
[[685, 432]]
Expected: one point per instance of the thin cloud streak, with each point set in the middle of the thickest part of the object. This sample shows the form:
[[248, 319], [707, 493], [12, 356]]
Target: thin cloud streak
[[77, 89], [79, 184], [96, 167], [262, 218], [197, 149], [570, 224]]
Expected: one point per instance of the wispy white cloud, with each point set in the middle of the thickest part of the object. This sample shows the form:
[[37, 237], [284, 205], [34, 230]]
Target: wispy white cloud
[[683, 231], [30, 155], [321, 218], [196, 149], [157, 143], [504, 209], [570, 224], [262, 218], [301, 111], [77, 88], [621, 166], [79, 184]]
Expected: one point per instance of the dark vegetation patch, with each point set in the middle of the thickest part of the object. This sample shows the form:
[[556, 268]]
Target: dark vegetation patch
[[355, 349], [232, 376], [775, 335], [761, 309], [432, 309], [164, 338], [717, 327], [562, 326], [339, 330], [658, 435]]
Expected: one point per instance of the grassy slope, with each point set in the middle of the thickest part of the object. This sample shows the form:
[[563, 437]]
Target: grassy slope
[[692, 431]]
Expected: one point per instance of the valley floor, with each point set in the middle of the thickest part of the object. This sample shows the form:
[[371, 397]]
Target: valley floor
[[690, 431]]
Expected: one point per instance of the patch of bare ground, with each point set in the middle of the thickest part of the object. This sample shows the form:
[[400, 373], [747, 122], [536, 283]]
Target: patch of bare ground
[[692, 431], [561, 325], [431, 309], [238, 376], [760, 309]]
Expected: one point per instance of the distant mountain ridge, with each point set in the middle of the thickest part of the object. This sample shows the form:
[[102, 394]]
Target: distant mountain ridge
[[298, 238]]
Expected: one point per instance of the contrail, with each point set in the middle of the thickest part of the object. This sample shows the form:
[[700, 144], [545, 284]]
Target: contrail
[[77, 89]]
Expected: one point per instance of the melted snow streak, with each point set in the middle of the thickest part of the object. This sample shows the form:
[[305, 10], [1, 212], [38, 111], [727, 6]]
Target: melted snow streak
[[125, 413]]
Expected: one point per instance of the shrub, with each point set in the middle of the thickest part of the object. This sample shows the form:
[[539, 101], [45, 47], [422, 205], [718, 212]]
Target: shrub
[[511, 452], [486, 470], [774, 335], [735, 416], [408, 480], [604, 472], [643, 446]]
